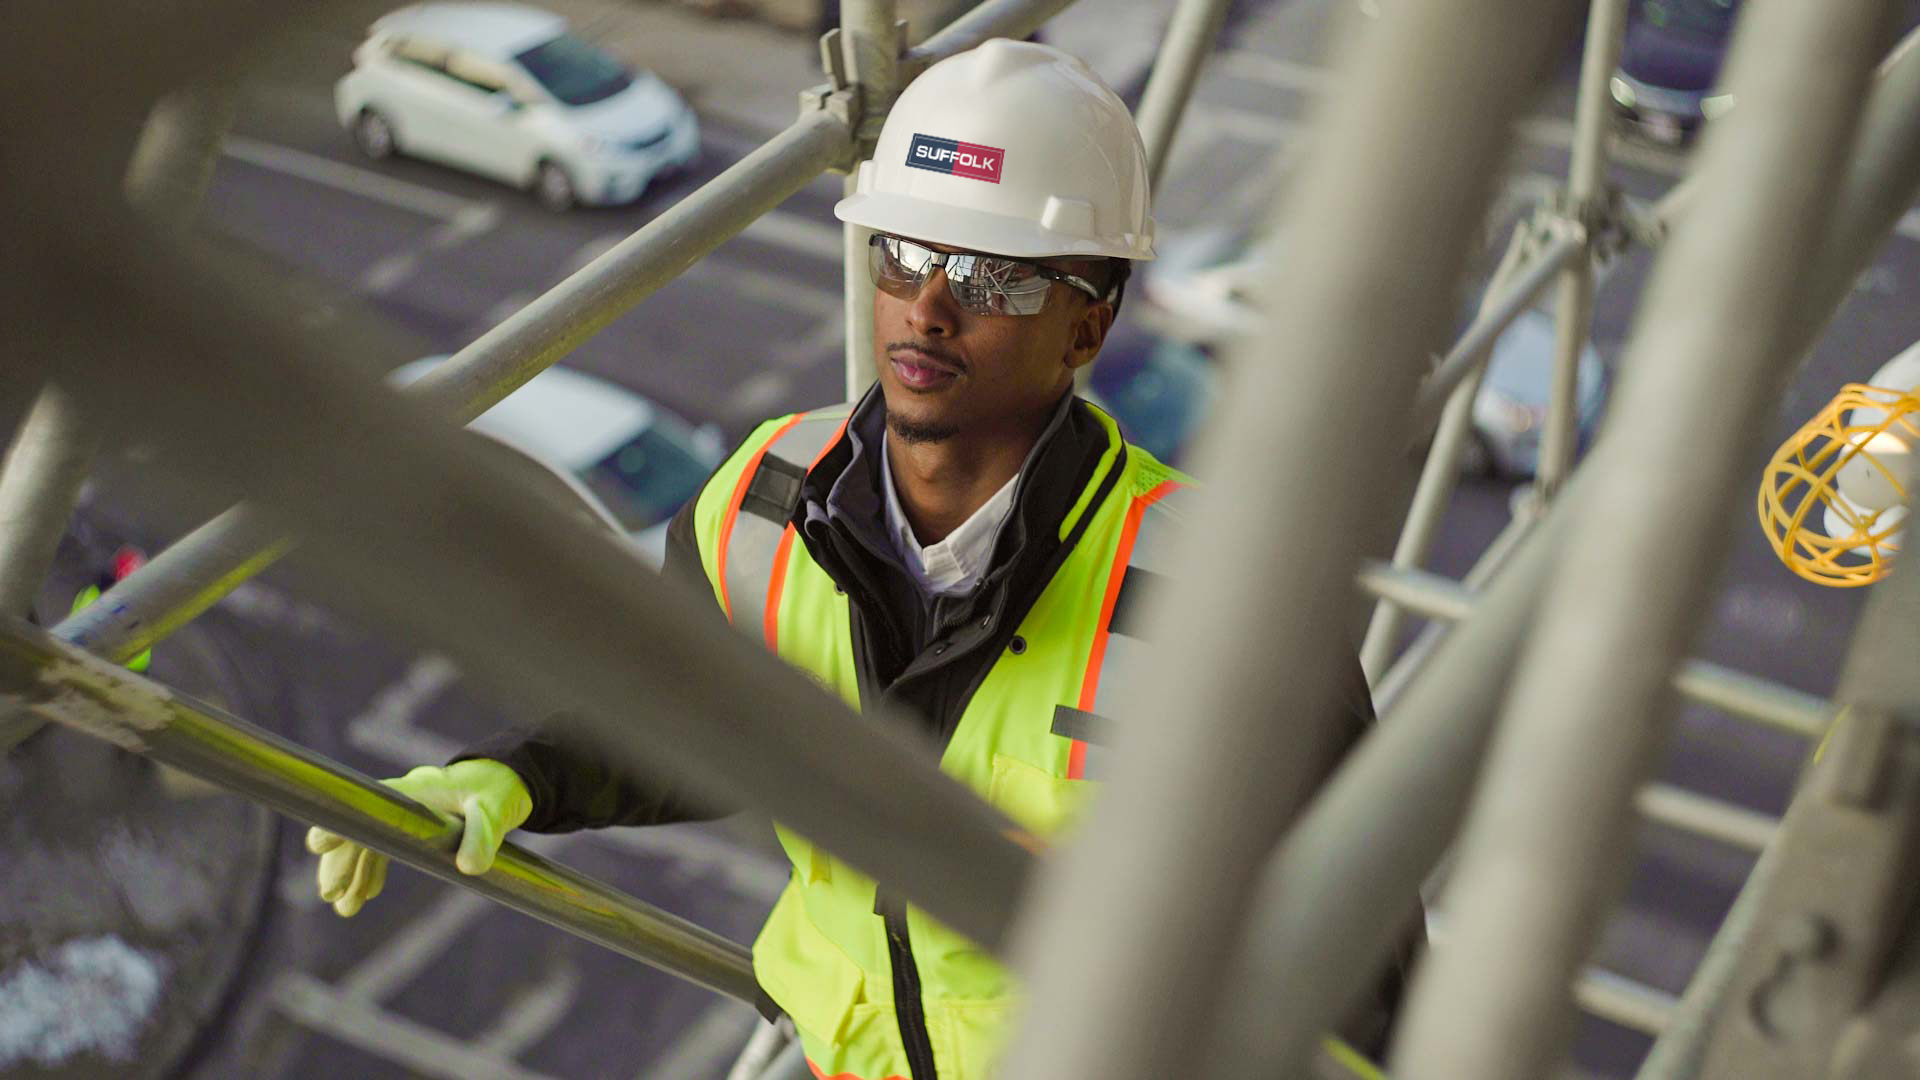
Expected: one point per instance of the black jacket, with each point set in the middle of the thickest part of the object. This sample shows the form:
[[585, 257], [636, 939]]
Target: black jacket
[[924, 655]]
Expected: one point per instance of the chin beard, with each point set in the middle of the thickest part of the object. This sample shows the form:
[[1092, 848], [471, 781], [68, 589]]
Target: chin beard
[[916, 432]]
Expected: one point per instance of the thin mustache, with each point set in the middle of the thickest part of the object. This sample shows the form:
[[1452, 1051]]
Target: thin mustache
[[938, 354]]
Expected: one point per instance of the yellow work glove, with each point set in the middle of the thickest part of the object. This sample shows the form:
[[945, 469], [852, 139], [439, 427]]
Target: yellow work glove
[[489, 796]]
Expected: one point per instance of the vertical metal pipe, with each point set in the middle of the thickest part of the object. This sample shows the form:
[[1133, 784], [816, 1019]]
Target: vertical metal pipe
[[870, 42], [1158, 880], [1573, 297], [173, 162], [1327, 908], [1191, 34], [1544, 845], [858, 285], [1393, 682], [39, 484], [1438, 473]]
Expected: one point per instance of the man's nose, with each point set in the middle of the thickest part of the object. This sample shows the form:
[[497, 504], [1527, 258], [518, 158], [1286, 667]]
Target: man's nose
[[933, 312]]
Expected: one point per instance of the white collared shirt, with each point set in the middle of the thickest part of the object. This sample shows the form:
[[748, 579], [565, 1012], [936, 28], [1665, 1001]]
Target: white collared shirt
[[957, 563]]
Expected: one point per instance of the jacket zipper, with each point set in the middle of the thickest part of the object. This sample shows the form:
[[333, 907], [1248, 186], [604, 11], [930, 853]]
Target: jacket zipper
[[908, 1008]]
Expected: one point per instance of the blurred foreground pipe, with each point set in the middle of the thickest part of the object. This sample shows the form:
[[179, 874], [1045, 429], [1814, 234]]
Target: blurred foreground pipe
[[1543, 849], [414, 528], [1213, 765], [210, 562], [70, 686]]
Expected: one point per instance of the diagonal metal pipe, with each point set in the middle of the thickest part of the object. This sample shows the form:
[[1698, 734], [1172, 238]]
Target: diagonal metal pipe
[[1190, 37], [1327, 909], [1159, 878], [192, 575], [70, 686], [1543, 848]]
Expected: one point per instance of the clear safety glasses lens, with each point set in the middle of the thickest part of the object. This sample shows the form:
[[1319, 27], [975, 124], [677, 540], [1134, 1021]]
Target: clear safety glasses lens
[[980, 284]]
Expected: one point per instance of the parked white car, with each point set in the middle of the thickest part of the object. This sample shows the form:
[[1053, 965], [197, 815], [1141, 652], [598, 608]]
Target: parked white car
[[630, 463], [504, 91]]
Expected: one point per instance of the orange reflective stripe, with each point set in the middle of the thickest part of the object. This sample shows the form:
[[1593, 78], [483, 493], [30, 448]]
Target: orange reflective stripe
[[733, 512], [777, 584], [1077, 754], [841, 1076], [777, 581]]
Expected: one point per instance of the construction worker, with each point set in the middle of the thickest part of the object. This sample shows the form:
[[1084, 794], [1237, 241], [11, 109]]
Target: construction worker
[[969, 543]]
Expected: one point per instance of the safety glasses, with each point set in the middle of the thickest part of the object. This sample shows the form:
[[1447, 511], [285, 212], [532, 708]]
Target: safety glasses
[[980, 284]]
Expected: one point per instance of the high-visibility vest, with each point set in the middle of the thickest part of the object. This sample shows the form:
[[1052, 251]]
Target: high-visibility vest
[[1027, 742]]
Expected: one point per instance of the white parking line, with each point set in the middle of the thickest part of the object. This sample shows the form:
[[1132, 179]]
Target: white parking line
[[706, 1045], [789, 230], [349, 178], [419, 1049], [411, 948], [534, 1011], [396, 703]]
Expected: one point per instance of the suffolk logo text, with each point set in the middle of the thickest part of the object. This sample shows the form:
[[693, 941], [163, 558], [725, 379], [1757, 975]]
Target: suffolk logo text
[[956, 158]]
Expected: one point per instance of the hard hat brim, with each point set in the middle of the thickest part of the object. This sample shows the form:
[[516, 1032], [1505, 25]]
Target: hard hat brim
[[980, 230]]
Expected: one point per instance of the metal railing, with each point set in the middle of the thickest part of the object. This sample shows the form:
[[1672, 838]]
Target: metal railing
[[96, 697]]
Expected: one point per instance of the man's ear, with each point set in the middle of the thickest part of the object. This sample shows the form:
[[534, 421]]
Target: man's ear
[[1089, 333]]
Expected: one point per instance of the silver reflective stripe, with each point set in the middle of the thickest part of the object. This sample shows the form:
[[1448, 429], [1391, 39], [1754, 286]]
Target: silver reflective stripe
[[1128, 664], [756, 539]]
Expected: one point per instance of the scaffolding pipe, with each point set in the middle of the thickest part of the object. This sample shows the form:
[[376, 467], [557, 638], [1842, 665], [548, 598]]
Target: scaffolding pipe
[[1441, 469], [172, 164], [39, 483], [213, 560], [1561, 249], [1736, 693], [1434, 92], [1328, 909], [1589, 707], [871, 45], [995, 18], [551, 612], [1190, 37], [90, 695], [1388, 688], [1573, 297]]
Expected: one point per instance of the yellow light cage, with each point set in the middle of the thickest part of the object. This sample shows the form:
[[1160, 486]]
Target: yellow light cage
[[1800, 479]]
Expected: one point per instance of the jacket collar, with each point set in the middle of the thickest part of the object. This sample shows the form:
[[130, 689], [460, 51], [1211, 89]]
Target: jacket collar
[[1077, 450]]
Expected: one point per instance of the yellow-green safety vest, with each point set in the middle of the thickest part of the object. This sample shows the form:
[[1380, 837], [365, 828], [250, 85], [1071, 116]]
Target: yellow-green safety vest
[[1027, 741]]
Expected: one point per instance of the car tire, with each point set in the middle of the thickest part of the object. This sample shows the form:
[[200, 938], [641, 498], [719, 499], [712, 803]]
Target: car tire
[[373, 134], [554, 188]]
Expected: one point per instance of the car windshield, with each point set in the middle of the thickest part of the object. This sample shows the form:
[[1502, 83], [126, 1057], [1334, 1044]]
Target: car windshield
[[647, 478], [574, 71], [1694, 18]]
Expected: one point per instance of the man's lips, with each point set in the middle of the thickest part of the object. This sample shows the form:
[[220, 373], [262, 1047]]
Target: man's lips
[[922, 371]]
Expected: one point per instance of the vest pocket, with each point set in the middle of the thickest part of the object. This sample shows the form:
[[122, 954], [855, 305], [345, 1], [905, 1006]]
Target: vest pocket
[[1039, 801], [806, 974]]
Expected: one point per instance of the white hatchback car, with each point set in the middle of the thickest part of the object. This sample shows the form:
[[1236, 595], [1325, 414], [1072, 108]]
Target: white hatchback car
[[504, 91], [628, 462]]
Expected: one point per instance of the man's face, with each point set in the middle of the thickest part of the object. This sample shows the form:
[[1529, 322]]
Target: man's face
[[948, 372]]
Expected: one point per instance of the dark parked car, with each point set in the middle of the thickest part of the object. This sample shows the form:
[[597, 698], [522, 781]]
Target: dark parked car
[[1670, 62]]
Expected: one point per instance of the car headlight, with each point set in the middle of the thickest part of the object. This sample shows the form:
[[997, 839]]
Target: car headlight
[[1622, 92], [1716, 105]]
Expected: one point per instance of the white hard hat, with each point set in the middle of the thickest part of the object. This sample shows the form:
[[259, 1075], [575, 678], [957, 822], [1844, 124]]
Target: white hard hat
[[1011, 148]]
